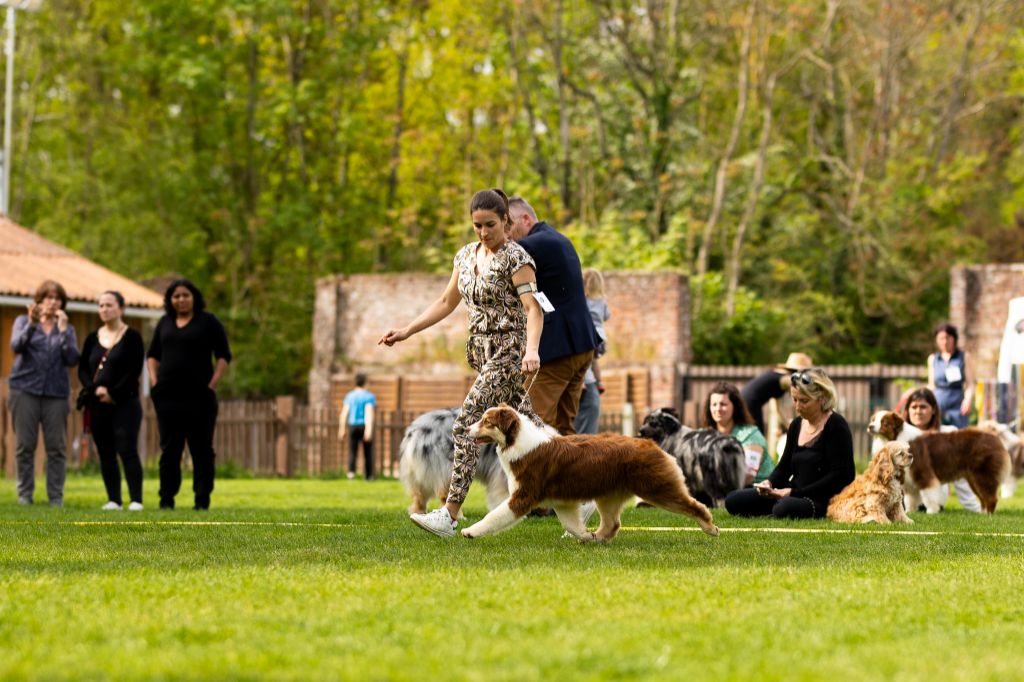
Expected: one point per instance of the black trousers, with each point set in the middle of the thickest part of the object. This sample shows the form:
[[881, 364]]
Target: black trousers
[[355, 437], [115, 430], [193, 421], [747, 502]]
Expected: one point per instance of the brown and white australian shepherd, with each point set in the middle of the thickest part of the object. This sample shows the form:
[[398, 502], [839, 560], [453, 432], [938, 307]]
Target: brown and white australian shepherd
[[941, 457], [564, 471], [876, 496], [1015, 446]]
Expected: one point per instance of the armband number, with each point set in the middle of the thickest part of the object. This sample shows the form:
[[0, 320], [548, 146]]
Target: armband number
[[527, 288]]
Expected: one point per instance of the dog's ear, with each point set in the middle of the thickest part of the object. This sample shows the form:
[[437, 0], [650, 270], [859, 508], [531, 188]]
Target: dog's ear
[[886, 464], [892, 424], [672, 411], [505, 417]]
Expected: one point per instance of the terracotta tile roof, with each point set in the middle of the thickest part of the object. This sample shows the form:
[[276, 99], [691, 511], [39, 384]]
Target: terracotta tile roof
[[26, 259]]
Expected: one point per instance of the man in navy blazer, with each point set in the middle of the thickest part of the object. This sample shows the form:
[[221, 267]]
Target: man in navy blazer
[[568, 341]]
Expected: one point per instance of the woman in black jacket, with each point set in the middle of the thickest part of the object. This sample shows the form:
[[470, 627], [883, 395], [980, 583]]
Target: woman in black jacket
[[816, 464], [187, 357], [109, 371]]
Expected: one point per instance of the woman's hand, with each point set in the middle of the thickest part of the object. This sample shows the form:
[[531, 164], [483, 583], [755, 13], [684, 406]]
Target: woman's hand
[[34, 313], [103, 395], [965, 406], [393, 336], [531, 361], [62, 320], [779, 493]]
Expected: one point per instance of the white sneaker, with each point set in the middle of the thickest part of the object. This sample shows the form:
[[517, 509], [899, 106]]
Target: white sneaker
[[587, 510], [135, 506], [111, 506], [438, 522]]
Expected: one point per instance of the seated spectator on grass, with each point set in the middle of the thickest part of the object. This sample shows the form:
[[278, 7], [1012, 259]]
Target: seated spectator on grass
[[921, 409], [817, 462], [725, 412]]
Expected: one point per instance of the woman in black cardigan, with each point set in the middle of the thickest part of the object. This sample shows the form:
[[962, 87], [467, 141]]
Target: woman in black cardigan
[[816, 464], [109, 371]]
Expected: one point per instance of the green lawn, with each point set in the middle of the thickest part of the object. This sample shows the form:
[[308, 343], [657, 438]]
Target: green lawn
[[316, 579]]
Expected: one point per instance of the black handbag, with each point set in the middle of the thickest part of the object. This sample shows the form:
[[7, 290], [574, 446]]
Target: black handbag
[[86, 394]]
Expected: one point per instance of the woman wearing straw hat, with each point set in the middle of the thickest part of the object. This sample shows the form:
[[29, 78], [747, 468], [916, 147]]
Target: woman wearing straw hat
[[772, 385]]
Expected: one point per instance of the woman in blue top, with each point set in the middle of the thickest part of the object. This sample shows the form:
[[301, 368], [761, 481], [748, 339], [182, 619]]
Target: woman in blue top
[[948, 377], [725, 411], [44, 346]]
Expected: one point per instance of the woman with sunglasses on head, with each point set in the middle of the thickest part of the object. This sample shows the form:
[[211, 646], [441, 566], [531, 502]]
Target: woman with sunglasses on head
[[921, 409], [109, 372], [816, 464]]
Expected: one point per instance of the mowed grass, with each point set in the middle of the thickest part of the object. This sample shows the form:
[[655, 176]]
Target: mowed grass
[[316, 579]]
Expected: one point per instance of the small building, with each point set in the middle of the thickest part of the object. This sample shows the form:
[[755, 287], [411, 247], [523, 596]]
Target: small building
[[27, 260]]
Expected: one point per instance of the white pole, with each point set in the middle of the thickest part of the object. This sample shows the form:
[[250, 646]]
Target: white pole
[[5, 200]]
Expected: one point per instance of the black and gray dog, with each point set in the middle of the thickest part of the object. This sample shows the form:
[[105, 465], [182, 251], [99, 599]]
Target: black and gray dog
[[427, 452], [713, 463]]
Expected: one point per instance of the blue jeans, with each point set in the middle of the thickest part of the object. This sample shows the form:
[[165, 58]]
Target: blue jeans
[[590, 410]]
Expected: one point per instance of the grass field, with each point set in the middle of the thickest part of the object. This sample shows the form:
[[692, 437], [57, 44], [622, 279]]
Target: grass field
[[316, 579]]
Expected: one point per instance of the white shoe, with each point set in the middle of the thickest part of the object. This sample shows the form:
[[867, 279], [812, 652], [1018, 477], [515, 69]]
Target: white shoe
[[438, 522], [135, 506], [587, 510], [111, 506]]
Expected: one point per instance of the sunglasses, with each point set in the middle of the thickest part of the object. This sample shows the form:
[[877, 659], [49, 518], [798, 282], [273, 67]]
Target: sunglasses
[[802, 377]]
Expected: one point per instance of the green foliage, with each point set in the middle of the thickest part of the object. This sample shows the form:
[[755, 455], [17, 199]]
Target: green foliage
[[317, 579], [255, 145]]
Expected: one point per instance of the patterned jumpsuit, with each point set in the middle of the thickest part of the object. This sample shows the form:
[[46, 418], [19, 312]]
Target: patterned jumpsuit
[[497, 342]]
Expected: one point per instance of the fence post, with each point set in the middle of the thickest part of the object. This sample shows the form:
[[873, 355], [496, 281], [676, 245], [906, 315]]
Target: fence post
[[285, 409], [627, 420]]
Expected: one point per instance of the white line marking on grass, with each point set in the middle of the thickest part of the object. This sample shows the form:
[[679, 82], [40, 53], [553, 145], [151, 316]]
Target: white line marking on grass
[[654, 529], [836, 531]]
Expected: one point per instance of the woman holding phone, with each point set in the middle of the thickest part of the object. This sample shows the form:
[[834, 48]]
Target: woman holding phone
[[816, 464]]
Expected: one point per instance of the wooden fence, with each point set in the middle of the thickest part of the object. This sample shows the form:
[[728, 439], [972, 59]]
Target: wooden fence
[[284, 437], [862, 389]]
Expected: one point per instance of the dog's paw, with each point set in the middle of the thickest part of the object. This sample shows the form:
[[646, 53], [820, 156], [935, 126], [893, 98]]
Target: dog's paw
[[711, 530], [588, 537], [469, 533]]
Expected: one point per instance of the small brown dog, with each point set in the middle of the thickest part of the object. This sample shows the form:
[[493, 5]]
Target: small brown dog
[[876, 496]]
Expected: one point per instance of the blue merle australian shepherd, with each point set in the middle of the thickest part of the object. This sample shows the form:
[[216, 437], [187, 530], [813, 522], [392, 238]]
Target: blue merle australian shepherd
[[713, 463], [427, 452]]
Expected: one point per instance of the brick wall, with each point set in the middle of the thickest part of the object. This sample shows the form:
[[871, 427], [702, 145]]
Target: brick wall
[[979, 296], [649, 327]]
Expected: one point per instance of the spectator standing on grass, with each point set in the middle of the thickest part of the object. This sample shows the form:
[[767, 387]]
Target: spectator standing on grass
[[187, 357], [725, 412], [568, 343], [817, 462], [357, 420], [948, 377], [112, 359], [495, 277], [771, 385], [44, 346], [590, 402]]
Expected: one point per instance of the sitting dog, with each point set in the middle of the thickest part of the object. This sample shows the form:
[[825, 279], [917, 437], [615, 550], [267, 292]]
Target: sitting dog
[[941, 457], [1015, 447], [427, 452], [713, 463], [877, 494], [564, 471]]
